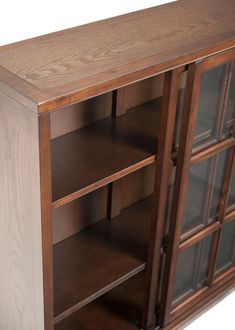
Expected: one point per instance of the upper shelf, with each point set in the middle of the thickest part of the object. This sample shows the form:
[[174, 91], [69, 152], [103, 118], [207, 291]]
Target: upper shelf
[[98, 154], [78, 63]]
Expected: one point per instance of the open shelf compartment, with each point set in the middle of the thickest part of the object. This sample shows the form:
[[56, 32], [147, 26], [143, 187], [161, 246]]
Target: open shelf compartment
[[121, 309], [95, 155], [99, 258]]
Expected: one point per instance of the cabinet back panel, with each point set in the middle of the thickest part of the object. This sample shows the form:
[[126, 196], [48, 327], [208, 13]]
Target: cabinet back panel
[[81, 114], [89, 209]]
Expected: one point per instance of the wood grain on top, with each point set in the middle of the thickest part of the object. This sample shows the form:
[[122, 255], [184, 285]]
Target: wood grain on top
[[77, 63]]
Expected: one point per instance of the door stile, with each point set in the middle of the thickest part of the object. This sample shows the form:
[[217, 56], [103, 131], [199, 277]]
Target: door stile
[[162, 180], [221, 217], [180, 189]]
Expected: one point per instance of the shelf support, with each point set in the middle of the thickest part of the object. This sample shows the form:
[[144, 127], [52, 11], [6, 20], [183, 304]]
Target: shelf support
[[119, 102], [114, 200]]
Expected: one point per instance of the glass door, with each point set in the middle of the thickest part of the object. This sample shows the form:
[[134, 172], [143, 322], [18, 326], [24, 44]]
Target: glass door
[[201, 239]]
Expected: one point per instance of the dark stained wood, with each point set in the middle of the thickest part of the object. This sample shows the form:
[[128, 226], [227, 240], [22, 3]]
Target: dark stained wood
[[51, 158], [216, 227], [46, 214], [224, 276], [94, 261], [96, 155], [162, 180], [212, 150], [75, 116], [199, 236], [120, 50], [119, 309], [114, 200], [221, 215], [200, 156], [180, 189], [119, 102], [91, 208], [201, 306], [230, 216], [216, 60], [204, 295], [138, 93]]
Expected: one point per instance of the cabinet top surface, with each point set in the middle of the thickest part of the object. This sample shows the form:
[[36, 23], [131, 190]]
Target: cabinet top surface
[[74, 64]]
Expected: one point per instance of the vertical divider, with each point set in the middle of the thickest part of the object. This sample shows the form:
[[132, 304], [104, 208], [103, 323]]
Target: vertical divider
[[221, 214], [46, 217], [119, 102], [223, 202], [114, 200], [162, 180], [180, 189], [114, 188], [224, 98]]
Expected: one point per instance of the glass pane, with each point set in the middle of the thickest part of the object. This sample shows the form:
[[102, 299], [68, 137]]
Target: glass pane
[[204, 192], [226, 256], [192, 267], [221, 163], [230, 111], [198, 187], [209, 104], [231, 199]]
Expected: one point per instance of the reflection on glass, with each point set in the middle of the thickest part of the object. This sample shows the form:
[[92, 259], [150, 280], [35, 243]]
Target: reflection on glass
[[198, 187], [192, 267], [204, 192], [230, 110], [218, 183], [226, 256], [231, 199], [209, 106]]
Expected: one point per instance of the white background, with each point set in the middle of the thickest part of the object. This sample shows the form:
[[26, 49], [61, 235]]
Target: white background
[[23, 19]]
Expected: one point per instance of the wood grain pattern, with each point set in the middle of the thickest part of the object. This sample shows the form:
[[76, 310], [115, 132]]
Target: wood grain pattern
[[68, 68], [55, 148], [21, 276]]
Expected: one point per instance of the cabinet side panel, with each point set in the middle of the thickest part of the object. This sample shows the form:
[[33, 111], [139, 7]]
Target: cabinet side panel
[[21, 281]]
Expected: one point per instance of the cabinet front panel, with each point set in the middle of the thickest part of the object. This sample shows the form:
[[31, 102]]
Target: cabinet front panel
[[200, 243], [226, 255]]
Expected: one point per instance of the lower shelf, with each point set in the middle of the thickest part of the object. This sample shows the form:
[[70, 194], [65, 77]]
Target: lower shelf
[[91, 263], [119, 309]]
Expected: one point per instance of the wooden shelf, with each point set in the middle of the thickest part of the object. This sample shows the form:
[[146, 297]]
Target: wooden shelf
[[98, 154], [119, 309], [99, 258]]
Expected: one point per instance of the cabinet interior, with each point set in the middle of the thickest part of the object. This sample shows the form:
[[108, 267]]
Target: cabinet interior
[[104, 153]]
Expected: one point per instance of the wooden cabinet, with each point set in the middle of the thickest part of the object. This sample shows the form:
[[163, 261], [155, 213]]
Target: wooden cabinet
[[117, 145]]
